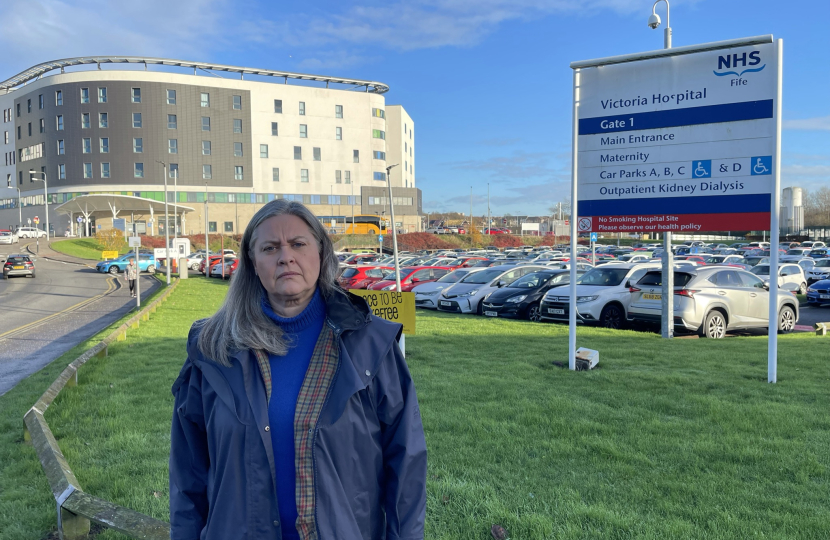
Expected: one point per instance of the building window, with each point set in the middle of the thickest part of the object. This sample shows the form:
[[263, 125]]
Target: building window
[[138, 170], [62, 171], [304, 175], [379, 155], [211, 226], [404, 147], [237, 125], [174, 171], [205, 148], [103, 120], [105, 145], [87, 170], [237, 103], [136, 95], [102, 94], [42, 125], [172, 146], [172, 121], [378, 113], [237, 172], [136, 119], [28, 105], [30, 129], [58, 97], [378, 134], [59, 122], [138, 145], [380, 176], [19, 133], [356, 156], [87, 145], [338, 111], [84, 95], [40, 101], [278, 106], [263, 150], [338, 177], [302, 108], [171, 97], [205, 99], [237, 149], [303, 131], [61, 149], [348, 177], [207, 172], [317, 154], [298, 152], [85, 120], [338, 133], [229, 226], [105, 170], [275, 129], [206, 123], [275, 174]]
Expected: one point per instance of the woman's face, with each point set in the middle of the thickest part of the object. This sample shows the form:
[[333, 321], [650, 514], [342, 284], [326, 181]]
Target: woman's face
[[287, 260]]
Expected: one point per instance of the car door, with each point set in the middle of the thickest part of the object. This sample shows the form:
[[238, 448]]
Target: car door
[[736, 296], [758, 299]]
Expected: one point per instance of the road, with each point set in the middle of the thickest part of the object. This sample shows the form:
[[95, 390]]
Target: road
[[44, 317]]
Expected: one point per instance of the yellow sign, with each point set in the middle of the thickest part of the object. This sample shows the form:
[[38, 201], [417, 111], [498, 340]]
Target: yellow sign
[[392, 306], [109, 255]]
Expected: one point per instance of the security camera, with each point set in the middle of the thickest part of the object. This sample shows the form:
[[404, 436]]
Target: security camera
[[654, 21]]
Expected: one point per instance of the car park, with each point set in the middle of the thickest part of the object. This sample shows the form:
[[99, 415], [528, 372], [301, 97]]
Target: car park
[[787, 273], [360, 277], [146, 263], [18, 264], [521, 299], [820, 253], [410, 277], [30, 232], [8, 237], [426, 294], [466, 295], [819, 272], [713, 300], [818, 294]]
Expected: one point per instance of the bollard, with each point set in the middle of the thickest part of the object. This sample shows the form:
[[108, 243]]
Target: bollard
[[182, 268], [821, 328]]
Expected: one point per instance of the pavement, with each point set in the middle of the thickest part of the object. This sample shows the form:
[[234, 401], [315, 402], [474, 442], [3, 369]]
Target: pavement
[[67, 303]]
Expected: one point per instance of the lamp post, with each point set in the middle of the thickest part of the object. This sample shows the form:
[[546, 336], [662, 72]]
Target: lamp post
[[394, 231], [667, 301], [175, 203], [19, 207], [166, 224], [45, 199]]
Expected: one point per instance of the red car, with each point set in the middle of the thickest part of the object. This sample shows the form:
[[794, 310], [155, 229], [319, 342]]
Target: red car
[[692, 258], [360, 277], [216, 269], [213, 259], [362, 258], [410, 277], [496, 230], [464, 262], [229, 260]]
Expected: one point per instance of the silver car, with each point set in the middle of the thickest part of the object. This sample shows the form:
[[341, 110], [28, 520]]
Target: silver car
[[712, 300], [787, 274], [466, 295], [426, 295]]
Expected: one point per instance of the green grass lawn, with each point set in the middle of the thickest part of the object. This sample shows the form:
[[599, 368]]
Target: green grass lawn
[[83, 248], [666, 439]]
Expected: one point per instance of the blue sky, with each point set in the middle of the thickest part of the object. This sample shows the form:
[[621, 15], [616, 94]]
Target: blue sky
[[486, 81]]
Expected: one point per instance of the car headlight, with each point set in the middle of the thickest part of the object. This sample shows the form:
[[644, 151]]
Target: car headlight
[[389, 287], [428, 293], [586, 298], [516, 299], [810, 289], [470, 293]]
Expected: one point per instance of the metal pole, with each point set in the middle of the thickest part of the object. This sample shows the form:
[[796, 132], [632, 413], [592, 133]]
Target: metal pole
[[401, 342], [175, 204], [489, 219], [574, 215], [19, 210], [667, 296], [207, 240], [166, 225], [46, 205], [137, 269], [470, 225], [772, 347]]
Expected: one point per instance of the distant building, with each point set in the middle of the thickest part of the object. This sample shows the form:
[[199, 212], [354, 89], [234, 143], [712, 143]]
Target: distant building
[[792, 211]]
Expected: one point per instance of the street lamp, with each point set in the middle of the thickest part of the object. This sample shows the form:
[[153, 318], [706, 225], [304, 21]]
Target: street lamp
[[45, 198], [166, 224], [19, 206], [654, 22], [394, 231]]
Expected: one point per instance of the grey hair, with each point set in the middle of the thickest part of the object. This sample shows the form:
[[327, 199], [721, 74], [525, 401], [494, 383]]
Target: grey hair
[[241, 323]]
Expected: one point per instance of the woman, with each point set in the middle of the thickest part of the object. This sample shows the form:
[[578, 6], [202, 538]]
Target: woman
[[130, 275], [295, 414]]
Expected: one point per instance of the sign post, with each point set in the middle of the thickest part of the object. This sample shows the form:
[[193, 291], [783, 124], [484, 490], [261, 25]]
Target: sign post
[[135, 243], [684, 139]]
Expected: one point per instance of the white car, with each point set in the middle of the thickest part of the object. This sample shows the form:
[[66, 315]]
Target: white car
[[466, 295], [814, 245], [602, 295], [787, 273], [8, 237], [426, 295], [795, 254], [820, 271], [30, 232]]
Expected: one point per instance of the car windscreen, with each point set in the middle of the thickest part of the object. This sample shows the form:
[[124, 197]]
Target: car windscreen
[[603, 277], [531, 281], [349, 272], [713, 260], [453, 277], [795, 252], [822, 264], [17, 260], [482, 277], [655, 279], [760, 270], [390, 276]]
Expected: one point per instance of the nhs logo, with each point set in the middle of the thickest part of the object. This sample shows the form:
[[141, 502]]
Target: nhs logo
[[739, 61]]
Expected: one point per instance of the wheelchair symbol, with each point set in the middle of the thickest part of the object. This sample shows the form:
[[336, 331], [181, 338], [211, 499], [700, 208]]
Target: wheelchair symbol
[[761, 165], [702, 168]]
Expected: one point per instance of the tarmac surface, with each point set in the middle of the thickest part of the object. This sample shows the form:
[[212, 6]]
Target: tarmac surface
[[65, 304]]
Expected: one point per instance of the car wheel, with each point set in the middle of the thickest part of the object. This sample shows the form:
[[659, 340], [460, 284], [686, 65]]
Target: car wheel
[[194, 267], [480, 308], [802, 289], [534, 313], [151, 269], [113, 269], [33, 275], [714, 325], [786, 320], [611, 317]]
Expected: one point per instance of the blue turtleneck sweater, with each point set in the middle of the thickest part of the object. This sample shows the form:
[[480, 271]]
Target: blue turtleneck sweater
[[287, 375]]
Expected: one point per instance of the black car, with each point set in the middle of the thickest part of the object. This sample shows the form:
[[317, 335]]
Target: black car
[[18, 264], [520, 299]]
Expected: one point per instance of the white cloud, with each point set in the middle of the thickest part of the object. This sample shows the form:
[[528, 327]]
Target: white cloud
[[819, 123]]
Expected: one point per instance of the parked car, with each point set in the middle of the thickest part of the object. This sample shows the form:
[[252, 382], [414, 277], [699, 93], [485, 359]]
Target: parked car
[[31, 232], [362, 258], [787, 273], [795, 254], [410, 277], [712, 300], [426, 294], [224, 271], [146, 263], [466, 295], [18, 264], [813, 245], [521, 299], [602, 295], [360, 277], [464, 262], [202, 264], [752, 261], [818, 294], [820, 253], [819, 272], [217, 262], [8, 237]]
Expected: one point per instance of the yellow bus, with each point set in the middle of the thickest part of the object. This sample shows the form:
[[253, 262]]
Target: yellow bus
[[366, 224]]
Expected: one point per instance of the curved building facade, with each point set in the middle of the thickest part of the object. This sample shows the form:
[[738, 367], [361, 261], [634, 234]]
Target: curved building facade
[[237, 137]]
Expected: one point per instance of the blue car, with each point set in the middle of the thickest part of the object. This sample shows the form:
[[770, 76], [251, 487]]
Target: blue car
[[819, 293], [146, 263]]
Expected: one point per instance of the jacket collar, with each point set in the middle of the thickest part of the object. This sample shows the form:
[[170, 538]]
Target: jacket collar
[[347, 311]]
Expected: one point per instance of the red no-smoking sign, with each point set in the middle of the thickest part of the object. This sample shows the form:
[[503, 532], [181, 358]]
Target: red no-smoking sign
[[585, 224]]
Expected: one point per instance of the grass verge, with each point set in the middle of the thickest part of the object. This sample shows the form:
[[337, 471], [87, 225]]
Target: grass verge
[[667, 439], [82, 248]]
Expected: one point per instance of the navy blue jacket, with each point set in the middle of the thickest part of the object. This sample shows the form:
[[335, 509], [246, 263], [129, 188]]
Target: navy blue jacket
[[369, 452]]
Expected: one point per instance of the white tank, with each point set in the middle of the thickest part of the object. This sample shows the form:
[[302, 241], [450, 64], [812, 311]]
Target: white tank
[[797, 196]]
